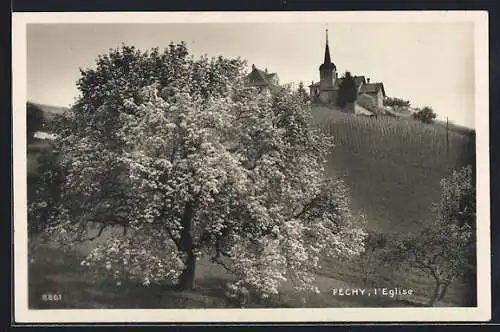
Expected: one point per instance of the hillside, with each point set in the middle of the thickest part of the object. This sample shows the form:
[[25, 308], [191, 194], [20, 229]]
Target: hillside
[[48, 111], [392, 165]]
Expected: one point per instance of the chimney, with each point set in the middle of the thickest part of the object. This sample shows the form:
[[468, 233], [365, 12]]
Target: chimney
[[368, 80], [253, 67], [266, 69]]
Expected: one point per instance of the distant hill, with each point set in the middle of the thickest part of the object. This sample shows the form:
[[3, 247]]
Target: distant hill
[[39, 146], [49, 111], [393, 165]]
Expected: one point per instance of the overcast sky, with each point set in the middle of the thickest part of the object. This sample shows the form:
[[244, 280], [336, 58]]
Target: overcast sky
[[430, 64]]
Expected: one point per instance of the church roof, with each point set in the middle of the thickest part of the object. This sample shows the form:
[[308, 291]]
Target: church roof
[[360, 81], [372, 88]]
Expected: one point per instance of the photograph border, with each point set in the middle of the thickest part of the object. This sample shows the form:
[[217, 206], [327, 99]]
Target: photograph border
[[439, 314]]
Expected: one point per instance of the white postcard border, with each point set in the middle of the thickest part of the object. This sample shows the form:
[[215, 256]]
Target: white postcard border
[[25, 315]]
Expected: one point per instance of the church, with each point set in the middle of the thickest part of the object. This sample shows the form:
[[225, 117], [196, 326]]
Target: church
[[326, 90]]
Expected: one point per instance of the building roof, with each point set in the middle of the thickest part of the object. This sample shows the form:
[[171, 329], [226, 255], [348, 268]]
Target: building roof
[[258, 77], [361, 110], [366, 101], [372, 88], [369, 102]]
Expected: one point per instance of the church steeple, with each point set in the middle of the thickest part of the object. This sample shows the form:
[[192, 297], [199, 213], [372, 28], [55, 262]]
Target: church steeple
[[327, 63], [327, 50], [327, 72]]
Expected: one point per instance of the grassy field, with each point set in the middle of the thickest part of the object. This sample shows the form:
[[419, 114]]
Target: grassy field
[[53, 271], [393, 167]]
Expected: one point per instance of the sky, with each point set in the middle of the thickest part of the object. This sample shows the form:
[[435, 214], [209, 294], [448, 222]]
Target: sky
[[429, 64]]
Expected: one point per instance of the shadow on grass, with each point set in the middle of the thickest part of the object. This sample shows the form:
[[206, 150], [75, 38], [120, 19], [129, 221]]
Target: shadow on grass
[[58, 274], [61, 277]]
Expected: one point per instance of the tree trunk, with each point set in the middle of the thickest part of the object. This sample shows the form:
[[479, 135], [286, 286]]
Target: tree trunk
[[367, 268], [443, 292], [435, 294], [186, 279]]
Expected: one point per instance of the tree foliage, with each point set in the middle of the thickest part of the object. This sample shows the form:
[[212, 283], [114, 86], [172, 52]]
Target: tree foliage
[[181, 155], [34, 120], [348, 91], [375, 245], [302, 92], [442, 248], [396, 103], [458, 198], [458, 206], [426, 115]]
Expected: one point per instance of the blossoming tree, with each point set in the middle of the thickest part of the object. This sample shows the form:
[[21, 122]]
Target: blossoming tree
[[444, 248], [190, 162]]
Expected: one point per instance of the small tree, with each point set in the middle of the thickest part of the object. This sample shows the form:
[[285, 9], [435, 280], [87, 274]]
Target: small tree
[[426, 115], [348, 91], [440, 250], [458, 206], [396, 103], [458, 198], [302, 93], [190, 162], [443, 249], [374, 242]]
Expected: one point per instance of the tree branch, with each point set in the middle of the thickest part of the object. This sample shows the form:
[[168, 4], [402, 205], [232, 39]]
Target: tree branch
[[103, 227], [216, 259], [306, 208], [435, 274], [218, 248], [176, 241]]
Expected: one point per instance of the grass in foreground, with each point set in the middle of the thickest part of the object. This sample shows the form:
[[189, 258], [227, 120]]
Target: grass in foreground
[[421, 283], [55, 271]]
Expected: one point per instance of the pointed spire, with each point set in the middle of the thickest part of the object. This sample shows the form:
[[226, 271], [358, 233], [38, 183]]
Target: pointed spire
[[327, 50], [327, 63]]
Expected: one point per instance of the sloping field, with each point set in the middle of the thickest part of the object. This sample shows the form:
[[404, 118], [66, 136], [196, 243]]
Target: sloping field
[[392, 165]]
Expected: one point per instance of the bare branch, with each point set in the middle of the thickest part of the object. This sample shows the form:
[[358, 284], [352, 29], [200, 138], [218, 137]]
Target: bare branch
[[103, 227]]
